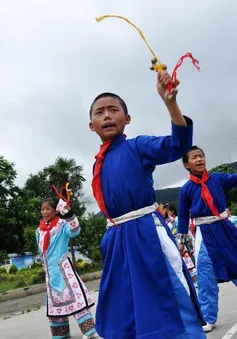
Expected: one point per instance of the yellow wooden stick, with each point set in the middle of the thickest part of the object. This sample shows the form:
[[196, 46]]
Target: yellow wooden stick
[[156, 64]]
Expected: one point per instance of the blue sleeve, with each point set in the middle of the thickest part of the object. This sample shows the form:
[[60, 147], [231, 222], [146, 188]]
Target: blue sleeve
[[161, 150], [184, 212], [226, 180]]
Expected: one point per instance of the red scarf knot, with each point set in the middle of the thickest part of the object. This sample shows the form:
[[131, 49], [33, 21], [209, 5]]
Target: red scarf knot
[[205, 193], [46, 227]]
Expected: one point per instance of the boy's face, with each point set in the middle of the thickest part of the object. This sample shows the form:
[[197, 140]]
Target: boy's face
[[196, 162], [108, 119]]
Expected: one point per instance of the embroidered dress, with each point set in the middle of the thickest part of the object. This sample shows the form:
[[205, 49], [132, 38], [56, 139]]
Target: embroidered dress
[[215, 238], [146, 291], [66, 292], [188, 254]]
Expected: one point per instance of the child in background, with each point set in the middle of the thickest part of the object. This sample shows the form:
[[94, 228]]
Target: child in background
[[232, 218], [66, 293], [216, 237], [188, 253]]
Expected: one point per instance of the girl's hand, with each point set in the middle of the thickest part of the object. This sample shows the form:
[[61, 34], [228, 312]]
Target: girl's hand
[[67, 207]]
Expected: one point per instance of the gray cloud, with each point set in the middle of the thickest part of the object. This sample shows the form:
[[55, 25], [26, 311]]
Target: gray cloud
[[55, 59]]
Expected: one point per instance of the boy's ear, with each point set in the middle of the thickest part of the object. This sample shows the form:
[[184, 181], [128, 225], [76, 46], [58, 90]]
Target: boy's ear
[[127, 119], [186, 166], [91, 126]]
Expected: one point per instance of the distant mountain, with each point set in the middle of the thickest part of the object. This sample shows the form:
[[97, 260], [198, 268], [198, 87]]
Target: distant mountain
[[233, 165], [168, 195]]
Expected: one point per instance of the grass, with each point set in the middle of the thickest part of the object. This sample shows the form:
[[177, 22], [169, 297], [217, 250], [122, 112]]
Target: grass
[[7, 285], [21, 279], [12, 285], [28, 277]]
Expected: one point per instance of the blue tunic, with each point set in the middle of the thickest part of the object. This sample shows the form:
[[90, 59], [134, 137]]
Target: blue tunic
[[136, 298], [220, 237]]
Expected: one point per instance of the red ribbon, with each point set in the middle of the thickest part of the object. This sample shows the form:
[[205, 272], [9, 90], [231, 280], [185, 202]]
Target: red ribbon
[[179, 63]]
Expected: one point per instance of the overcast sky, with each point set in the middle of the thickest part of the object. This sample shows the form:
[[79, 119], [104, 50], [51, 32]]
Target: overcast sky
[[55, 58]]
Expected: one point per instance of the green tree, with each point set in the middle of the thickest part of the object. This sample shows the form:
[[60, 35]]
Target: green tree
[[40, 184], [92, 232], [233, 208], [3, 256], [11, 230], [29, 240], [231, 194]]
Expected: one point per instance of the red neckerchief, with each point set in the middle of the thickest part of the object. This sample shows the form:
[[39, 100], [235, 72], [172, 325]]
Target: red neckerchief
[[205, 194], [47, 228], [96, 181]]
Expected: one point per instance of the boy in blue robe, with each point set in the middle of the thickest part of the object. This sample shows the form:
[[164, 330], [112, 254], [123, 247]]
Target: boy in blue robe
[[146, 291], [216, 237]]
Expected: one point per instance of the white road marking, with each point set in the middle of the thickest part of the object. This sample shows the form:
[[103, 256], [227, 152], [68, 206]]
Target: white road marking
[[231, 332]]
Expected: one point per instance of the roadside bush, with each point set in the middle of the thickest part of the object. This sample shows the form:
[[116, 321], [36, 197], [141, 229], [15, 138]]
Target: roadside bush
[[39, 278], [36, 265], [24, 269], [3, 270], [13, 269], [83, 267], [21, 283]]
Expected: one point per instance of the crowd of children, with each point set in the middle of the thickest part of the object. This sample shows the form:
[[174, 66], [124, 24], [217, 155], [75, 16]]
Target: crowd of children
[[146, 289]]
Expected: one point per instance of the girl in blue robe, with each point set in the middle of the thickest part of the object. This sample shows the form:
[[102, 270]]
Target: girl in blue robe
[[216, 236], [146, 291]]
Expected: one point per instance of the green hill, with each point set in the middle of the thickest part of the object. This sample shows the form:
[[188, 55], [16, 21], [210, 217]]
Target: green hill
[[170, 195]]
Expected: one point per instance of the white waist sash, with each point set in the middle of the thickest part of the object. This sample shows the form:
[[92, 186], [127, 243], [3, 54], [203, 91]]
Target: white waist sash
[[133, 215], [210, 219]]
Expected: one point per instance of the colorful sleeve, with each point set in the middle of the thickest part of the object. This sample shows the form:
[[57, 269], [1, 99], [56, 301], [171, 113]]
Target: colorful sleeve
[[184, 212], [234, 220], [227, 180], [161, 150], [73, 226]]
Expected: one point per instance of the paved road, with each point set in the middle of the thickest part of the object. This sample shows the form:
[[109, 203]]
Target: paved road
[[34, 324]]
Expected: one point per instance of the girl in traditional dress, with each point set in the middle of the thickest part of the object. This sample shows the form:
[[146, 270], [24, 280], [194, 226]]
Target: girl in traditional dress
[[66, 293]]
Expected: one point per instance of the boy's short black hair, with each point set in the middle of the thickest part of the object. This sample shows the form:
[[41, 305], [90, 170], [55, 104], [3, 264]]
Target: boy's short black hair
[[112, 95], [193, 148]]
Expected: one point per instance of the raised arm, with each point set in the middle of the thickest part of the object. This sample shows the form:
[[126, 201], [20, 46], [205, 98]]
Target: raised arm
[[73, 225], [161, 150], [227, 180]]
